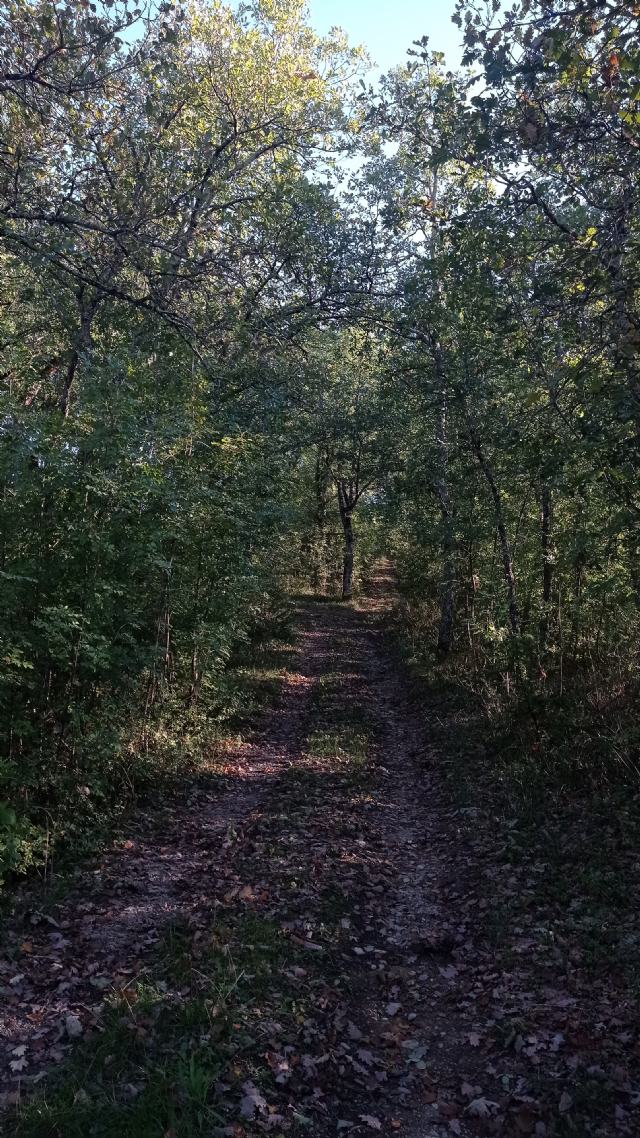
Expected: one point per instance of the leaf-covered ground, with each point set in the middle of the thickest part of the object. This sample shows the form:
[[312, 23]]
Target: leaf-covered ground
[[307, 943]]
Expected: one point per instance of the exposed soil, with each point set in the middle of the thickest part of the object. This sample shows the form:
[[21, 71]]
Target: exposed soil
[[333, 823]]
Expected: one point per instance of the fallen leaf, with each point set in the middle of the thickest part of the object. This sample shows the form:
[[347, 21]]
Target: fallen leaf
[[449, 973], [73, 1026], [371, 1121], [481, 1107], [252, 1100]]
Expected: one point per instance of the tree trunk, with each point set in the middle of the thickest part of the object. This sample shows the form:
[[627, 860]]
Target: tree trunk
[[448, 582], [546, 520], [319, 566], [82, 344], [503, 539], [349, 555], [619, 263], [447, 594], [346, 516]]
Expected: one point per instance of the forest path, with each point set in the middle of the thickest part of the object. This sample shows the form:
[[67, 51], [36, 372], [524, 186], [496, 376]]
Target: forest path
[[285, 956], [57, 962]]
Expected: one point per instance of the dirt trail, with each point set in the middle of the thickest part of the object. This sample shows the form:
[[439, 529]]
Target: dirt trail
[[333, 827], [56, 964], [103, 933]]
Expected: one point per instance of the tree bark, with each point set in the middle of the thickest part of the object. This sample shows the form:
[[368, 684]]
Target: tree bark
[[322, 482], [546, 523], [503, 539], [82, 344], [448, 581], [346, 506], [447, 591]]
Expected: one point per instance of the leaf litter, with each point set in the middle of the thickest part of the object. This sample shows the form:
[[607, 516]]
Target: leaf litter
[[376, 1002]]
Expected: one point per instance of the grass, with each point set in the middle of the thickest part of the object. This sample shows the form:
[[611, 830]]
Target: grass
[[344, 754], [61, 813], [332, 698], [174, 1052], [180, 751], [171, 1055], [534, 782], [339, 745], [122, 1085]]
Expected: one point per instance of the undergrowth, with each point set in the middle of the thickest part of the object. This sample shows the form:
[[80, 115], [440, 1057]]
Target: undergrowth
[[61, 811], [175, 1051], [552, 779], [187, 1050]]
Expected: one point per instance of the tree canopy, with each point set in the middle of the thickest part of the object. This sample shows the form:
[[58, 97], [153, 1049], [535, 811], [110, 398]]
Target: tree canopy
[[257, 315]]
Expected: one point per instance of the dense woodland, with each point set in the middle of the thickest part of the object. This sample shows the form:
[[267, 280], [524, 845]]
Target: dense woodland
[[262, 322]]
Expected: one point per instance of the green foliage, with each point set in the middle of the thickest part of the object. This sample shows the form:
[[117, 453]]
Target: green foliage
[[146, 507], [233, 367], [513, 520]]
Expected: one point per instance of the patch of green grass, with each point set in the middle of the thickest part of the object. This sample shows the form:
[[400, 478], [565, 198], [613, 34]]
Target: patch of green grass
[[235, 961], [543, 774], [335, 742], [135, 756], [148, 1071], [594, 1101], [332, 700], [256, 689], [162, 1048], [310, 597], [181, 751], [346, 751]]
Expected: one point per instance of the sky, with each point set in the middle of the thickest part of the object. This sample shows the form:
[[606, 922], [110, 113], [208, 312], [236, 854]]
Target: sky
[[388, 28]]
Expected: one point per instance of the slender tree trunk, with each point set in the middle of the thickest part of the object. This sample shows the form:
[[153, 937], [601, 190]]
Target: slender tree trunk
[[546, 520], [448, 582], [349, 556], [579, 574], [196, 670], [503, 539], [447, 592], [82, 344], [319, 568], [619, 264], [346, 506]]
